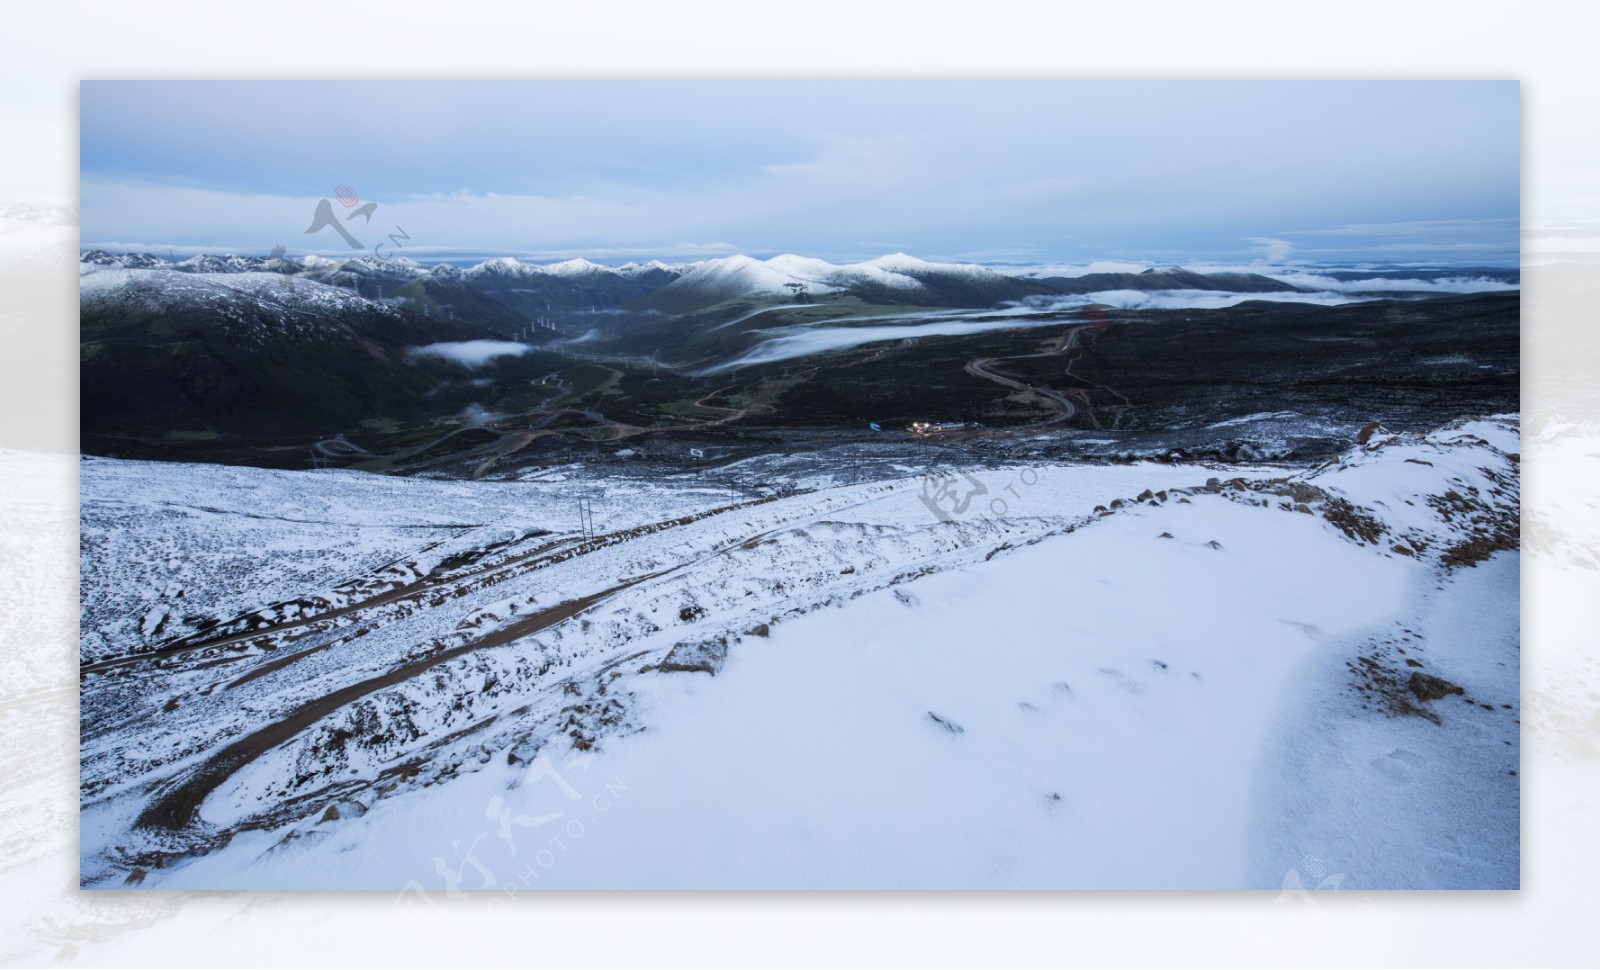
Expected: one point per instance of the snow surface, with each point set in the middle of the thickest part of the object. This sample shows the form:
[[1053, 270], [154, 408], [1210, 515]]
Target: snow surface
[[1121, 676], [218, 540]]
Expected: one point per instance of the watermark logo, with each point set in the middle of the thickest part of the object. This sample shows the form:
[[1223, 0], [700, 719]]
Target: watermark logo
[[950, 495], [1317, 879], [536, 843], [945, 497], [323, 217]]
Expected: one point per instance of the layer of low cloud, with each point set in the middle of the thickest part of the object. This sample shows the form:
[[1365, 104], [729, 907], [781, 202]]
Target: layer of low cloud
[[1398, 284], [1075, 270], [823, 337], [1194, 299], [472, 353], [820, 340], [1036, 313]]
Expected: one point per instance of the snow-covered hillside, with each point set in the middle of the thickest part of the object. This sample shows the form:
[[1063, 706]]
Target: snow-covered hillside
[[224, 297], [1140, 675]]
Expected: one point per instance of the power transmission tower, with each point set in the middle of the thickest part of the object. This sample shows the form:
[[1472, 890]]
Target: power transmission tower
[[586, 517]]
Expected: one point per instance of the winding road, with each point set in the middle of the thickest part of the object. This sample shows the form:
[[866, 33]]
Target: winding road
[[178, 807], [979, 367]]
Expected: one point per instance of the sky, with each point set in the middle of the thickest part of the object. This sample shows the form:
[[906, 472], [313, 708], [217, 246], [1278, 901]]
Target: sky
[[999, 172]]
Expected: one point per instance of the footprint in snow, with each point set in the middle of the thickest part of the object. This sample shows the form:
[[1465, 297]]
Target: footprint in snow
[[1123, 681], [946, 724], [1398, 765]]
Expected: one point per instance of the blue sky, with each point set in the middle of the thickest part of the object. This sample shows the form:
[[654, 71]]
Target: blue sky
[[989, 171]]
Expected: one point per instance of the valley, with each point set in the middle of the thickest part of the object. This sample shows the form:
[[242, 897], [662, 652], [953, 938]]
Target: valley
[[244, 362]]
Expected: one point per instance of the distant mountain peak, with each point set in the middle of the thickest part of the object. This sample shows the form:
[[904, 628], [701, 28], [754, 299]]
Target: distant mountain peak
[[504, 265], [898, 261], [571, 267]]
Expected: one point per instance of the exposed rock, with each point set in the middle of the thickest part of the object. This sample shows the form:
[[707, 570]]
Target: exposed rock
[[524, 751], [1365, 434], [1430, 688], [342, 810], [694, 657], [1353, 522]]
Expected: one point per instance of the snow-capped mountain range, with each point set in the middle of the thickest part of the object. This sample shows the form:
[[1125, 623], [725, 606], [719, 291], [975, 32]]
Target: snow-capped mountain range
[[550, 292], [727, 276], [736, 275], [571, 292], [895, 269]]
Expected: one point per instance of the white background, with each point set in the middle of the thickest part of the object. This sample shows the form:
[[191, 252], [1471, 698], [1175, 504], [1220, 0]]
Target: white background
[[1550, 47]]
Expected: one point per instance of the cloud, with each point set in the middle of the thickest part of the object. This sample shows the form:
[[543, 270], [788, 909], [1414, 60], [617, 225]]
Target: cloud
[[1394, 284], [1193, 299], [819, 340], [1272, 250], [1039, 312], [1420, 227], [1075, 270], [472, 353]]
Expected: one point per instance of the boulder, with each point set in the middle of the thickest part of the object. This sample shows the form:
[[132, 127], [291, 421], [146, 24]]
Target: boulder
[[692, 657], [1430, 688], [341, 810]]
